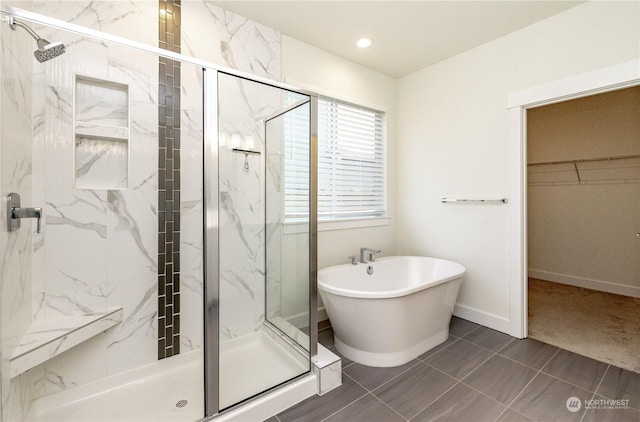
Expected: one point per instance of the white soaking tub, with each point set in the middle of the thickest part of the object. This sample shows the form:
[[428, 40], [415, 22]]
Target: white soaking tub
[[396, 313]]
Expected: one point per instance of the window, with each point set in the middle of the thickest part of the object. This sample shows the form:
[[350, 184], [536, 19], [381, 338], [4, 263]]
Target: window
[[351, 174]]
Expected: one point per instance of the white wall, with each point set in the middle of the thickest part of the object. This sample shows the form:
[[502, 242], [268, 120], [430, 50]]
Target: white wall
[[453, 140], [309, 67]]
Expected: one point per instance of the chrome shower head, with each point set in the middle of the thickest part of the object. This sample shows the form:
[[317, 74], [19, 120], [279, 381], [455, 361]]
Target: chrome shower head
[[46, 50]]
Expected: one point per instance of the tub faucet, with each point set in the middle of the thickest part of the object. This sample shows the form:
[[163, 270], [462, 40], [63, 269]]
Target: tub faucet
[[368, 255]]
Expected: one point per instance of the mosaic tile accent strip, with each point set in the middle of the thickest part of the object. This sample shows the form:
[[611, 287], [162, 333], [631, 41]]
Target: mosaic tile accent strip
[[169, 182]]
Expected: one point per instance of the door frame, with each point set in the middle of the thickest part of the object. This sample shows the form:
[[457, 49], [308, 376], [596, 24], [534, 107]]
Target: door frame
[[623, 75]]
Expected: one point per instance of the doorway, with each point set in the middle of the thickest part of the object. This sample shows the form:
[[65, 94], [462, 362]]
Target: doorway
[[583, 197], [614, 77]]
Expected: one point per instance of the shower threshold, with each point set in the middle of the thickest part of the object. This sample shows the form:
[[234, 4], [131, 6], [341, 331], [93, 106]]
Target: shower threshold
[[255, 362]]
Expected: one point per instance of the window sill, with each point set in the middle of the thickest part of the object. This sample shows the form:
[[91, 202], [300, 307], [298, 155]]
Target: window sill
[[346, 224]]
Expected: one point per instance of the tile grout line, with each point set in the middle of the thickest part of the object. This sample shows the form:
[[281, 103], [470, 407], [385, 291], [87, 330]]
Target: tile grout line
[[478, 367], [351, 402], [493, 353], [487, 396], [528, 366], [437, 398], [423, 360], [530, 381], [392, 378], [566, 382], [445, 392], [389, 380], [613, 398], [593, 394], [507, 408], [459, 381], [385, 403]]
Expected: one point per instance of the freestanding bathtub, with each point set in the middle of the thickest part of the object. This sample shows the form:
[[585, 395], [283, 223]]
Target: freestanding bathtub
[[396, 313]]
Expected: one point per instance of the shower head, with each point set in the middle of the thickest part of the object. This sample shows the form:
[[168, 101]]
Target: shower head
[[46, 50]]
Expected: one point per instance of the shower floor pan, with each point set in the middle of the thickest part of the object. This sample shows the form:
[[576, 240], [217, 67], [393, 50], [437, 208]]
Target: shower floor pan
[[167, 390], [254, 363], [172, 389]]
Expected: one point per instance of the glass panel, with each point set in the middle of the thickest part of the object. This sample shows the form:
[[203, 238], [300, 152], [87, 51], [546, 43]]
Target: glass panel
[[288, 245], [126, 243], [254, 355]]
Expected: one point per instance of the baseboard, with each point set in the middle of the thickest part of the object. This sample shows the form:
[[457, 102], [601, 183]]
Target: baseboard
[[587, 283], [492, 321]]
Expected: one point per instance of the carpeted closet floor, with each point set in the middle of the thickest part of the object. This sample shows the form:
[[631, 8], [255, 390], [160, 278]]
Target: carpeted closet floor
[[595, 324]]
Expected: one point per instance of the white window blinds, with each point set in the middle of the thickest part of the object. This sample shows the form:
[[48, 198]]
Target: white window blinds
[[351, 174]]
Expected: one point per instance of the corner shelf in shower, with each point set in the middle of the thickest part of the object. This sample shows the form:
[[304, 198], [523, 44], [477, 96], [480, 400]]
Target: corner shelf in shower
[[47, 339]]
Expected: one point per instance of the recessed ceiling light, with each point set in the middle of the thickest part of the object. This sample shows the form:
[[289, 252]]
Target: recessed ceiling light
[[364, 42]]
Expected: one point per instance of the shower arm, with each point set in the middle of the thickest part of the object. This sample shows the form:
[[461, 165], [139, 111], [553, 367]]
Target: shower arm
[[13, 23]]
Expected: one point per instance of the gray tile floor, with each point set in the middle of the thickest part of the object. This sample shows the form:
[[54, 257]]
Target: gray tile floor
[[477, 375]]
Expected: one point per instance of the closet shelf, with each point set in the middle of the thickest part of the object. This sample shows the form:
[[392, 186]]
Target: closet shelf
[[47, 339], [621, 169]]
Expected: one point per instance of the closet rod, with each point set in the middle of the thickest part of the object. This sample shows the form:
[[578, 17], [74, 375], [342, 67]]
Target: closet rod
[[586, 160]]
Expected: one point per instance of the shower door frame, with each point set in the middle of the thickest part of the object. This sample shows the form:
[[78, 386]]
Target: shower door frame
[[211, 288], [211, 285], [313, 211]]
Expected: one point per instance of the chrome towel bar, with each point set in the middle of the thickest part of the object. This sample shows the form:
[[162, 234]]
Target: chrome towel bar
[[476, 201]]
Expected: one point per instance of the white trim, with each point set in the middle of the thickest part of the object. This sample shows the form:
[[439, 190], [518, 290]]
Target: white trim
[[481, 317], [517, 223], [355, 223], [598, 81], [346, 224], [602, 80], [587, 283]]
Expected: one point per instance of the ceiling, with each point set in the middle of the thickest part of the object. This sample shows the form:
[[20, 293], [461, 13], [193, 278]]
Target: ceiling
[[407, 35]]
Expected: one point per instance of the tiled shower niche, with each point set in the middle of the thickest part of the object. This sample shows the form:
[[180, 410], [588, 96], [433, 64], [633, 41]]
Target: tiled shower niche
[[101, 128]]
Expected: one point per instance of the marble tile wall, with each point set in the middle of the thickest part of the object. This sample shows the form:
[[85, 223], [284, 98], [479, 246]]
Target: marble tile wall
[[221, 37], [99, 247], [15, 247], [241, 213]]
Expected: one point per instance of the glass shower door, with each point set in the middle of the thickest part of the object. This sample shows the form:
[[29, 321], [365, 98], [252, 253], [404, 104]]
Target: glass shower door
[[254, 355]]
